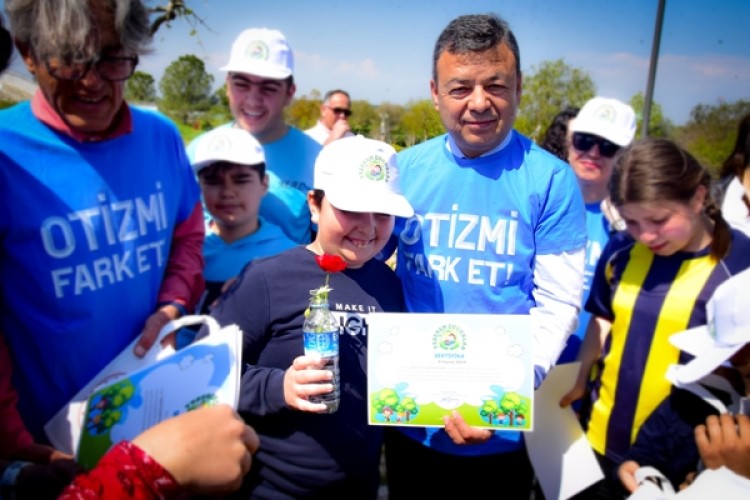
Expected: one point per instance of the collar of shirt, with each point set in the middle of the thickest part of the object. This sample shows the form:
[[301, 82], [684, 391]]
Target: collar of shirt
[[45, 113], [453, 148]]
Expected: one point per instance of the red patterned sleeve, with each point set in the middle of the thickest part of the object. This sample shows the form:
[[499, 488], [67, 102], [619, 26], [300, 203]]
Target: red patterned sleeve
[[125, 471]]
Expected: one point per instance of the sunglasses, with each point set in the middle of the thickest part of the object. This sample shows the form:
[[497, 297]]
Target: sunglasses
[[339, 111], [584, 142]]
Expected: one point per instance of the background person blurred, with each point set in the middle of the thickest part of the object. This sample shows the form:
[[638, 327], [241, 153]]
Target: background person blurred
[[334, 118], [556, 138], [260, 85], [595, 135], [732, 190]]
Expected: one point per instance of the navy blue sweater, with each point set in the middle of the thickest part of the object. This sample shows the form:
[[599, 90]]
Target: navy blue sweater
[[306, 455]]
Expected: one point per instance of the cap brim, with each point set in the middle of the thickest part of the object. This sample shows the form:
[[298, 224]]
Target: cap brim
[[261, 70], [703, 364], [708, 355], [694, 340], [373, 202]]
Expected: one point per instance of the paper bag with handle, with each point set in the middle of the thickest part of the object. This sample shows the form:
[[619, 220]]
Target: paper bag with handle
[[131, 394]]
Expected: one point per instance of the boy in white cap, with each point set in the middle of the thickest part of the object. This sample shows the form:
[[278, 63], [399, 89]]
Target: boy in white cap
[[715, 382], [600, 129], [307, 454], [230, 166], [260, 85]]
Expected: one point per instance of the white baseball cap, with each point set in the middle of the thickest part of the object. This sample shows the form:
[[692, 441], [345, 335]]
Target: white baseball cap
[[361, 175], [261, 52], [727, 331], [608, 118], [233, 145]]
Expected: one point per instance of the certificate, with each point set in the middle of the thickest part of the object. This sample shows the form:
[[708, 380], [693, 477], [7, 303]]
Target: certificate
[[424, 366]]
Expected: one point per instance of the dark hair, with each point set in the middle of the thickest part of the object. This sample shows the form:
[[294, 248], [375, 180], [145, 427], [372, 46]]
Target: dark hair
[[318, 195], [739, 158], [6, 46], [555, 138], [223, 166], [656, 170], [475, 33]]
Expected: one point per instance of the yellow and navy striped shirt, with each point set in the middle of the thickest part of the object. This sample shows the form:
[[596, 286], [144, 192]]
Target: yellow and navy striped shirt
[[647, 298]]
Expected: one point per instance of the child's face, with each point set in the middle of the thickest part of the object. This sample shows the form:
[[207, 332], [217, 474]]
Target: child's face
[[232, 193], [356, 237], [667, 227]]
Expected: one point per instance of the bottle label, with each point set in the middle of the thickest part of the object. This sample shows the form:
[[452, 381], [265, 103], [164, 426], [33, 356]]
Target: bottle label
[[326, 344]]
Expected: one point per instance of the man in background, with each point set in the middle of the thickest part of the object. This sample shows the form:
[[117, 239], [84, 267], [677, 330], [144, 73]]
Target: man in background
[[334, 118]]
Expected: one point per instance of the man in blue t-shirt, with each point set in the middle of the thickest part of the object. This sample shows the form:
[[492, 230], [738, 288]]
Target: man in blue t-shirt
[[499, 228]]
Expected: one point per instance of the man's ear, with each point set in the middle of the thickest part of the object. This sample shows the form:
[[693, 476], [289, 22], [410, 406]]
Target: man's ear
[[28, 56]]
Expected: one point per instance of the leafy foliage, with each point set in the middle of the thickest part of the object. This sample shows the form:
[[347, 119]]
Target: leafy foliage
[[185, 88], [547, 90], [140, 88], [658, 126], [711, 131]]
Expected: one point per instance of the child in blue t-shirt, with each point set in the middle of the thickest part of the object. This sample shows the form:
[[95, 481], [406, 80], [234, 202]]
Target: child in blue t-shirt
[[231, 170]]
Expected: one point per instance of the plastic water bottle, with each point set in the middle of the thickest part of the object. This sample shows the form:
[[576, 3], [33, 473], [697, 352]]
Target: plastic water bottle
[[321, 336]]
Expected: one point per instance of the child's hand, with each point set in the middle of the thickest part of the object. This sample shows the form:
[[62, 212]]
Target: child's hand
[[304, 379], [40, 454], [725, 440], [574, 394], [626, 473]]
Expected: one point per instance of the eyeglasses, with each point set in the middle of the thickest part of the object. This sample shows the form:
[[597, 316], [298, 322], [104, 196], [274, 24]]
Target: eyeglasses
[[344, 111], [584, 142], [110, 67]]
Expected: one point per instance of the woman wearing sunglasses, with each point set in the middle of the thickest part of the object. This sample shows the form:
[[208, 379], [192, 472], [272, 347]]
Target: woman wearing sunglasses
[[595, 135]]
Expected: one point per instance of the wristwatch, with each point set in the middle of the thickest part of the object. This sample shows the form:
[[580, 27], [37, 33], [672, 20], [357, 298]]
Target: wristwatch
[[9, 478]]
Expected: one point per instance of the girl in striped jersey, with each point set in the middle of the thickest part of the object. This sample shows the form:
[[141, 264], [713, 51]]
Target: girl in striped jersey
[[651, 281]]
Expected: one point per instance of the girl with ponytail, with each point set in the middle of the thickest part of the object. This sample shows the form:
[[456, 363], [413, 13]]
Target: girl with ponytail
[[652, 280]]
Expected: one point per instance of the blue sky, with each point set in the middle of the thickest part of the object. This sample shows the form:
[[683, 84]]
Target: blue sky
[[381, 51]]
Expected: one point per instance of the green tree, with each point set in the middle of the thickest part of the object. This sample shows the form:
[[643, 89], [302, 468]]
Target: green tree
[[365, 119], [140, 88], [420, 122], [549, 89], [303, 112], [711, 130], [659, 126], [185, 88]]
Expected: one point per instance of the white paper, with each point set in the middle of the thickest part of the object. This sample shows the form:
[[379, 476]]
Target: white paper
[[558, 449], [421, 367]]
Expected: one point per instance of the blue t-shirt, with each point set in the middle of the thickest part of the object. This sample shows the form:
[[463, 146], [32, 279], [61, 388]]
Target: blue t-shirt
[[478, 226], [598, 231], [86, 235]]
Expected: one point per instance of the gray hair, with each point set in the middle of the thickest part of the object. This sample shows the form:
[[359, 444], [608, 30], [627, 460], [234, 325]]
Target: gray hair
[[475, 33], [66, 28], [331, 93]]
